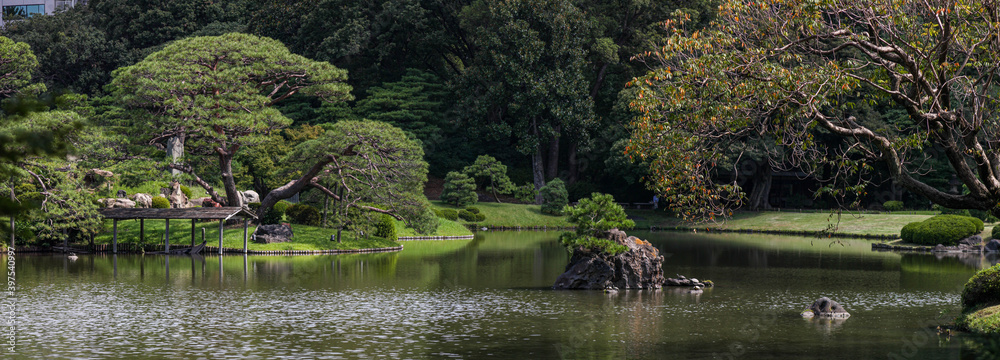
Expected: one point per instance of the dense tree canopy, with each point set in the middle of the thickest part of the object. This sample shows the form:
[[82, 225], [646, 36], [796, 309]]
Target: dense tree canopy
[[216, 93], [749, 76], [367, 168]]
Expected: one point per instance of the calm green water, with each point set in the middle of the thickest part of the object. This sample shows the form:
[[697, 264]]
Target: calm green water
[[490, 297]]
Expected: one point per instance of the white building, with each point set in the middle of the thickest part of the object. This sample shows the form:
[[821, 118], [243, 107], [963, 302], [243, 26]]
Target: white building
[[19, 9]]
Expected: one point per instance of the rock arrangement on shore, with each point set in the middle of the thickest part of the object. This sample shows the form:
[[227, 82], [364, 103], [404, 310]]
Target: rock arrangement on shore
[[641, 267], [826, 308]]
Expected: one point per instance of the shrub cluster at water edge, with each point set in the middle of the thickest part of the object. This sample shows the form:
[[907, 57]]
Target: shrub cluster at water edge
[[982, 290], [554, 197], [941, 229], [447, 214]]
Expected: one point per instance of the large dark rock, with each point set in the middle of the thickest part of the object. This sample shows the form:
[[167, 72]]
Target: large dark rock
[[267, 234], [641, 267], [971, 240], [824, 307], [993, 245]]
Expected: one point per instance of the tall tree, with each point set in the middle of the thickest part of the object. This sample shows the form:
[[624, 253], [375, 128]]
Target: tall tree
[[528, 80], [366, 167], [748, 75], [217, 92]]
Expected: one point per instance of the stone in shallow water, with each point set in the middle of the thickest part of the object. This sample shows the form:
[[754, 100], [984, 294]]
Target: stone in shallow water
[[993, 245], [641, 267], [824, 307]]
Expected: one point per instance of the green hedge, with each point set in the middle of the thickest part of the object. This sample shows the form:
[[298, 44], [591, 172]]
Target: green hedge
[[447, 214], [941, 229], [893, 205], [303, 214], [983, 289], [996, 232]]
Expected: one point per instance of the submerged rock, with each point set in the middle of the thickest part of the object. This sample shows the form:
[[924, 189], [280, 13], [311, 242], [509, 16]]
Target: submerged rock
[[824, 307], [641, 267]]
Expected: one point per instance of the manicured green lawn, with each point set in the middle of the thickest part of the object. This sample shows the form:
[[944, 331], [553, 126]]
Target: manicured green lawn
[[305, 238], [511, 215], [446, 228], [846, 223]]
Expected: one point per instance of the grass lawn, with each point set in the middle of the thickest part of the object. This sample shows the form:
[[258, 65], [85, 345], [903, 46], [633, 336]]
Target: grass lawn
[[305, 238], [846, 223], [510, 215], [446, 228]]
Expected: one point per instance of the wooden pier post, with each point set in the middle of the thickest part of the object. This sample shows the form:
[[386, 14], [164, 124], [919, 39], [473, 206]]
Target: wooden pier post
[[166, 237], [114, 235], [246, 225], [142, 230], [220, 241], [192, 232]]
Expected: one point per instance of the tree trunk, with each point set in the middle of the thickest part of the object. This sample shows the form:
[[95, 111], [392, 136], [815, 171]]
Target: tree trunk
[[537, 171], [553, 169], [233, 197], [574, 165], [761, 187]]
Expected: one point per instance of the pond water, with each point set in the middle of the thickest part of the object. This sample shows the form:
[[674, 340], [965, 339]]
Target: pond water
[[490, 297]]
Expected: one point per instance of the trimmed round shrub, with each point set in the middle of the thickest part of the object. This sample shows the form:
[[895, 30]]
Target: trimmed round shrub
[[480, 217], [983, 289], [386, 228], [472, 209], [160, 202], [276, 213], [282, 206], [554, 197], [960, 212], [447, 214], [995, 232], [893, 205], [466, 215], [303, 214], [941, 229], [186, 191], [979, 224]]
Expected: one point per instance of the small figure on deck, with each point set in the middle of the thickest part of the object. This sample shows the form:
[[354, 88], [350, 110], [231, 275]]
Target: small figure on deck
[[656, 199]]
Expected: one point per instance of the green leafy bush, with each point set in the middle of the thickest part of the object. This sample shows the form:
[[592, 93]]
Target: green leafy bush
[[941, 229], [893, 205], [447, 214], [386, 228], [459, 189], [276, 214], [525, 193], [160, 202], [960, 212], [995, 233], [282, 206], [593, 218], [427, 222], [983, 289], [472, 209], [303, 214], [554, 197], [983, 215], [480, 217], [186, 191], [466, 215]]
